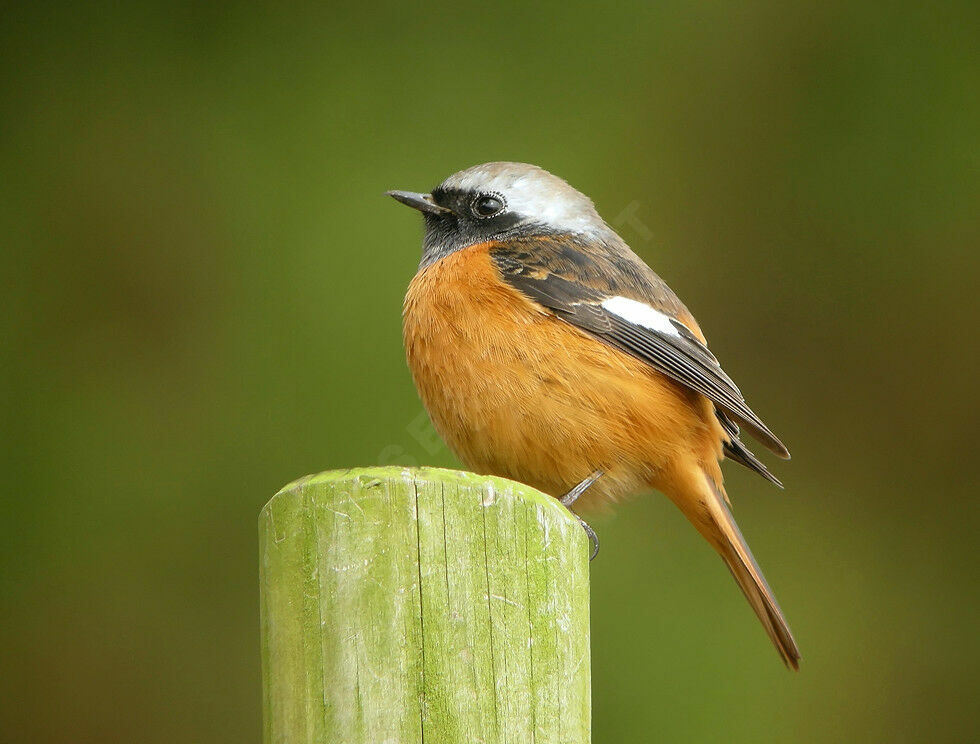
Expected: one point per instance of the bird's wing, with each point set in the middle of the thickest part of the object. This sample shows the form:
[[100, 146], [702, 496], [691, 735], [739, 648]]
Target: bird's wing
[[736, 450], [614, 296]]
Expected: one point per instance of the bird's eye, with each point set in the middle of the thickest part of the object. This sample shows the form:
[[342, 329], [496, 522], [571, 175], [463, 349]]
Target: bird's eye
[[487, 206]]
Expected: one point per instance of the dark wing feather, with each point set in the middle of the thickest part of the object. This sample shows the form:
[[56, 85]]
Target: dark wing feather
[[736, 450], [573, 283]]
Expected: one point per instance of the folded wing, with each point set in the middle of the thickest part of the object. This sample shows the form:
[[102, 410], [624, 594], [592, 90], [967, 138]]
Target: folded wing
[[627, 306]]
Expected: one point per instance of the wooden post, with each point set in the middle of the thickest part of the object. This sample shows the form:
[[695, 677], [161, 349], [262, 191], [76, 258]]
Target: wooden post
[[409, 605]]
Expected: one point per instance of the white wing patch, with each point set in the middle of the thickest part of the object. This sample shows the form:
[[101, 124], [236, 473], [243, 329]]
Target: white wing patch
[[641, 314]]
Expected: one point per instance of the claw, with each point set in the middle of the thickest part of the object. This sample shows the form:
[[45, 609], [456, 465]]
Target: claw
[[593, 538], [571, 497]]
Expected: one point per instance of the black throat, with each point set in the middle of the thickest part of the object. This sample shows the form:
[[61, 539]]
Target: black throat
[[449, 232]]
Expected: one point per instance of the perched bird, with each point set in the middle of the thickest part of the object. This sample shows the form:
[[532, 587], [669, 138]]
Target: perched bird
[[547, 352]]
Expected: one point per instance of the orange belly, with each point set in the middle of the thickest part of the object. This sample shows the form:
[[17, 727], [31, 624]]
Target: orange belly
[[519, 393]]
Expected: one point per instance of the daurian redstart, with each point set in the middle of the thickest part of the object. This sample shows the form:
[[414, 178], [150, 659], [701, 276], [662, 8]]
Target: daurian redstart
[[546, 351]]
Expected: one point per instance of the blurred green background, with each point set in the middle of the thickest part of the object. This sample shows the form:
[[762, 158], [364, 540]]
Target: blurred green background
[[202, 286]]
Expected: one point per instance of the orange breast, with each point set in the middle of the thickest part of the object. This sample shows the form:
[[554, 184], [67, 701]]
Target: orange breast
[[519, 393]]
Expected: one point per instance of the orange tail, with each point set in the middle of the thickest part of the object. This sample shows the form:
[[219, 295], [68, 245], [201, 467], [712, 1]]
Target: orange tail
[[714, 520]]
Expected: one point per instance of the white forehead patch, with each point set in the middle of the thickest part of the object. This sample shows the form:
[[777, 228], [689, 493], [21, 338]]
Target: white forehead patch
[[534, 193], [641, 314]]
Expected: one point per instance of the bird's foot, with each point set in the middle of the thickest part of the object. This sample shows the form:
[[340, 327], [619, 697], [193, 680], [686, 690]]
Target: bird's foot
[[571, 497]]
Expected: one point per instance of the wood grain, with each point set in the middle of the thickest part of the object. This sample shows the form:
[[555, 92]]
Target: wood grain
[[410, 605]]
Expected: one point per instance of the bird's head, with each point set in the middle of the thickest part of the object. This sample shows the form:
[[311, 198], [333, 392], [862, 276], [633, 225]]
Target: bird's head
[[496, 201]]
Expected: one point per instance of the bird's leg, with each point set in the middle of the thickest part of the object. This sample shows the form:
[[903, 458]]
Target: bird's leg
[[571, 497]]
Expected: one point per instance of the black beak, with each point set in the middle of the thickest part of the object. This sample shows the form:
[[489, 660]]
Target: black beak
[[421, 202]]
